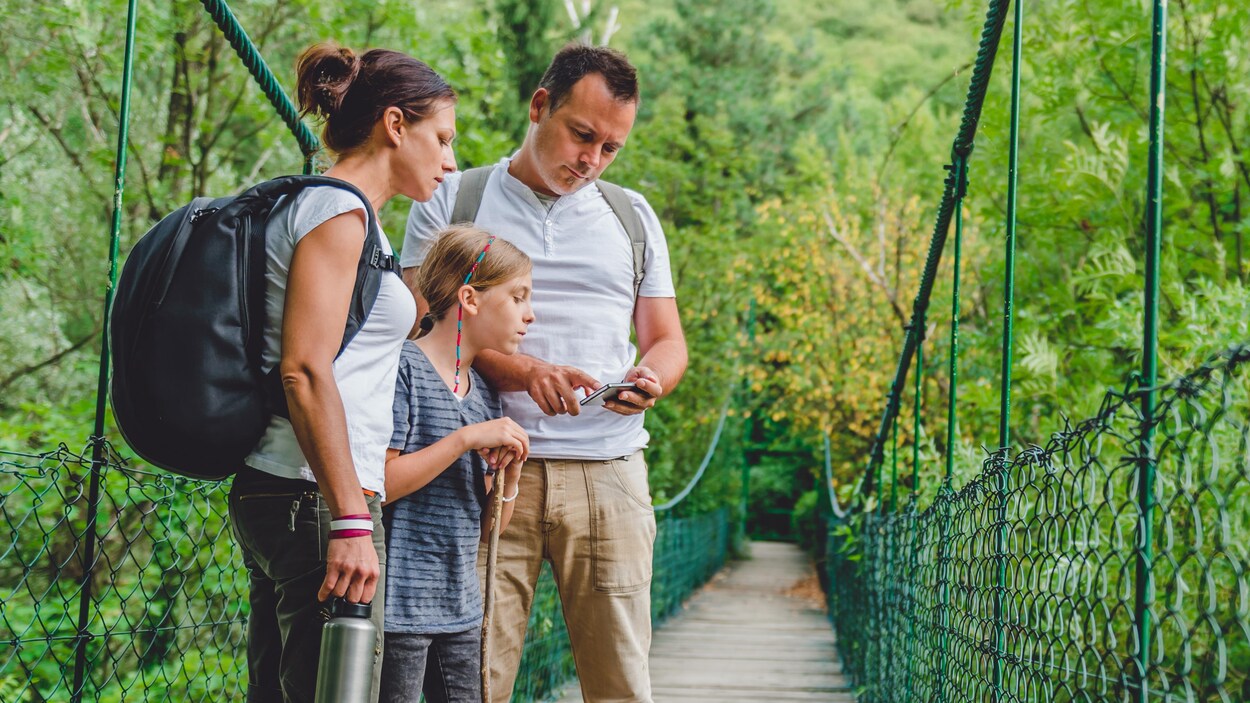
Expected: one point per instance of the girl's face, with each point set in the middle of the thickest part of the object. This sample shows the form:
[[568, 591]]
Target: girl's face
[[503, 315]]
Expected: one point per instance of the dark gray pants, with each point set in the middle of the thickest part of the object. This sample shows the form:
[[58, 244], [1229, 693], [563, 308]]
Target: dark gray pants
[[447, 668], [283, 536]]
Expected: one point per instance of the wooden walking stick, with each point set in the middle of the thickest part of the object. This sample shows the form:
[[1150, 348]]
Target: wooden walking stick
[[488, 606]]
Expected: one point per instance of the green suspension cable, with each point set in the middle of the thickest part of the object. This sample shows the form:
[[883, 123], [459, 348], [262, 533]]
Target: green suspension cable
[[1009, 293], [991, 32], [98, 446], [243, 46], [1144, 595]]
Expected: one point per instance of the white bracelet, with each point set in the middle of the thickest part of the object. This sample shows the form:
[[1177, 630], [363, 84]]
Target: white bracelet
[[351, 524], [515, 493]]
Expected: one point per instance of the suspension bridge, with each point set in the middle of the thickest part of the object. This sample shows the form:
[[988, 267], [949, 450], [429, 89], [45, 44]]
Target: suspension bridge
[[1107, 565]]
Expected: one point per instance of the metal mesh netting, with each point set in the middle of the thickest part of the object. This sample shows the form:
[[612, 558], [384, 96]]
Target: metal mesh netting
[[163, 613], [915, 594]]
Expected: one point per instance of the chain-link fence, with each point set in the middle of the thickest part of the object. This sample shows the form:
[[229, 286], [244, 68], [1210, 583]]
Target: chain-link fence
[[139, 594], [925, 615], [132, 591]]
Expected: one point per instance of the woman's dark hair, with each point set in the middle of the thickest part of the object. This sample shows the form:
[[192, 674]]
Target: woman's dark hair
[[576, 61], [351, 92]]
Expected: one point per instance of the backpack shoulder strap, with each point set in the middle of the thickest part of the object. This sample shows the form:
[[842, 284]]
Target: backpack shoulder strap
[[370, 267], [469, 197], [620, 203]]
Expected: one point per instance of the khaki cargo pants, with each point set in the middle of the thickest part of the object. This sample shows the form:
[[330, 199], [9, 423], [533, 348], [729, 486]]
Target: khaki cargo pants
[[594, 522]]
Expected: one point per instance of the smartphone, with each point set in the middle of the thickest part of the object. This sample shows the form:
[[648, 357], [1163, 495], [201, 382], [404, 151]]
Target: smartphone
[[606, 392]]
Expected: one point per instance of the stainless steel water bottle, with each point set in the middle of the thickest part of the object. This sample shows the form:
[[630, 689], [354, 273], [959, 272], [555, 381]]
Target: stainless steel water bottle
[[348, 642]]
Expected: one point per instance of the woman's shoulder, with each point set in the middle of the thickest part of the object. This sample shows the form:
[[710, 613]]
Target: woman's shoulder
[[313, 206]]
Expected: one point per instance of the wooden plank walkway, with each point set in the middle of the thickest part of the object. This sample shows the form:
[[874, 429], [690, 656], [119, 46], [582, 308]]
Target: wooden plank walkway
[[749, 635]]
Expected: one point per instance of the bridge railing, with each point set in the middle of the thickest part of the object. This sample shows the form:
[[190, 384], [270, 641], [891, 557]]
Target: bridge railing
[[1108, 565], [166, 607], [917, 596], [120, 584]]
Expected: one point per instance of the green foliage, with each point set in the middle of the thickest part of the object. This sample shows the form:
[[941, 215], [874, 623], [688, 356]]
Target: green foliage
[[793, 152]]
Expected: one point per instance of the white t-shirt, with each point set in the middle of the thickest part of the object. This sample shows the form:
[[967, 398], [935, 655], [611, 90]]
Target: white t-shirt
[[365, 371], [583, 297]]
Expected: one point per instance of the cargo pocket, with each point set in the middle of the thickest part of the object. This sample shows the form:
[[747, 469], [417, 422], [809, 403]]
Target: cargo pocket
[[622, 524], [281, 531]]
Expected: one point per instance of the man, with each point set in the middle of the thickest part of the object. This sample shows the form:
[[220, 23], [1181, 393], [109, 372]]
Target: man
[[584, 504]]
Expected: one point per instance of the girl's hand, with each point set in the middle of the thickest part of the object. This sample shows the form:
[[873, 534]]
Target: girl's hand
[[495, 439], [512, 473], [501, 457]]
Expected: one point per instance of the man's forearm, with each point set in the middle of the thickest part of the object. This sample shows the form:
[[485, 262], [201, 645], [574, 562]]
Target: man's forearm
[[505, 372], [668, 359]]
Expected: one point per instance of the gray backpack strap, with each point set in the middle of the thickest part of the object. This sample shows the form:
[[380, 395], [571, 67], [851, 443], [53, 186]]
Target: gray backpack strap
[[469, 197], [619, 200]]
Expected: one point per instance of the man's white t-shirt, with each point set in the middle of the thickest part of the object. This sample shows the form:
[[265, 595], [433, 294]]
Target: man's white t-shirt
[[365, 372], [583, 297]]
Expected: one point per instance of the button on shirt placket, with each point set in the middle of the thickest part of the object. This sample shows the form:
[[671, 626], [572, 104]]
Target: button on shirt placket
[[548, 228]]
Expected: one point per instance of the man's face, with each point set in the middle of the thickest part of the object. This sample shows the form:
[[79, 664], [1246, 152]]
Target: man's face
[[575, 143]]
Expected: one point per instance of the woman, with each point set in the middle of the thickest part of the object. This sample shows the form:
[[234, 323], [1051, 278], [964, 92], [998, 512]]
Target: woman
[[306, 507]]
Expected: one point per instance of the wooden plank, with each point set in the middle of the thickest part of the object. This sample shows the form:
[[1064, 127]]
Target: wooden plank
[[745, 637]]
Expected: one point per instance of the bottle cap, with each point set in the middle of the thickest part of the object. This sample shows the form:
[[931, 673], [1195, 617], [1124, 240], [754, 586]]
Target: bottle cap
[[341, 607]]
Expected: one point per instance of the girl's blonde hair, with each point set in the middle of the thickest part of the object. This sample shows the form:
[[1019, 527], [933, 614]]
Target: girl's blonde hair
[[450, 259]]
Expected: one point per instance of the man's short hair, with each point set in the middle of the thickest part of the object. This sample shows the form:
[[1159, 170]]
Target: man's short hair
[[576, 61]]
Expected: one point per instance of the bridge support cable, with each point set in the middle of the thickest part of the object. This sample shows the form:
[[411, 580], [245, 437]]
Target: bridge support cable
[[987, 50], [707, 459], [1145, 479], [1004, 418], [251, 58], [99, 453]]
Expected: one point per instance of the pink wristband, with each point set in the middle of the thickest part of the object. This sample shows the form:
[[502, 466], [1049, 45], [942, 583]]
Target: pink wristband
[[345, 534]]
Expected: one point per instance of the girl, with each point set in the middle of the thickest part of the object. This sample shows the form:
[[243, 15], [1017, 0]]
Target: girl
[[306, 508], [448, 433]]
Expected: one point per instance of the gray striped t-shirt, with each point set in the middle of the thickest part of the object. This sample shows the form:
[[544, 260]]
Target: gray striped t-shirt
[[432, 535]]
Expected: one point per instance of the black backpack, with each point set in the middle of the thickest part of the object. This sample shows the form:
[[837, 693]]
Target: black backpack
[[187, 327]]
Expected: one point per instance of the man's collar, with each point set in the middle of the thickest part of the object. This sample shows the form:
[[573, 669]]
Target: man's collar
[[516, 186]]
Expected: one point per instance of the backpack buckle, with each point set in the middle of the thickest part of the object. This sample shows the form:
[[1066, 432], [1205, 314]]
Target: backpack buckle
[[378, 260]]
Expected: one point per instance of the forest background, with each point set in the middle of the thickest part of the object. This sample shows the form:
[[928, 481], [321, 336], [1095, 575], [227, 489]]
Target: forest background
[[793, 150]]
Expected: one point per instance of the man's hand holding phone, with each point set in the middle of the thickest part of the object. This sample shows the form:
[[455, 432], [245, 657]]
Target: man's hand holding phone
[[646, 390]]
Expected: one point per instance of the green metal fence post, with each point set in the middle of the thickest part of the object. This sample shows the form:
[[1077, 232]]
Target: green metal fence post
[[909, 661], [99, 456], [1009, 290], [748, 429], [894, 470], [960, 168], [1144, 596], [916, 421]]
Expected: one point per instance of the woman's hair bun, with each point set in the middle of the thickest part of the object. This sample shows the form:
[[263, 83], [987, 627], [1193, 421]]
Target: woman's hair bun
[[352, 92], [325, 73]]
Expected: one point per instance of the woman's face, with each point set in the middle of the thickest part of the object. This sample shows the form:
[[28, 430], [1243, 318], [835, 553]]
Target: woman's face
[[426, 153]]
